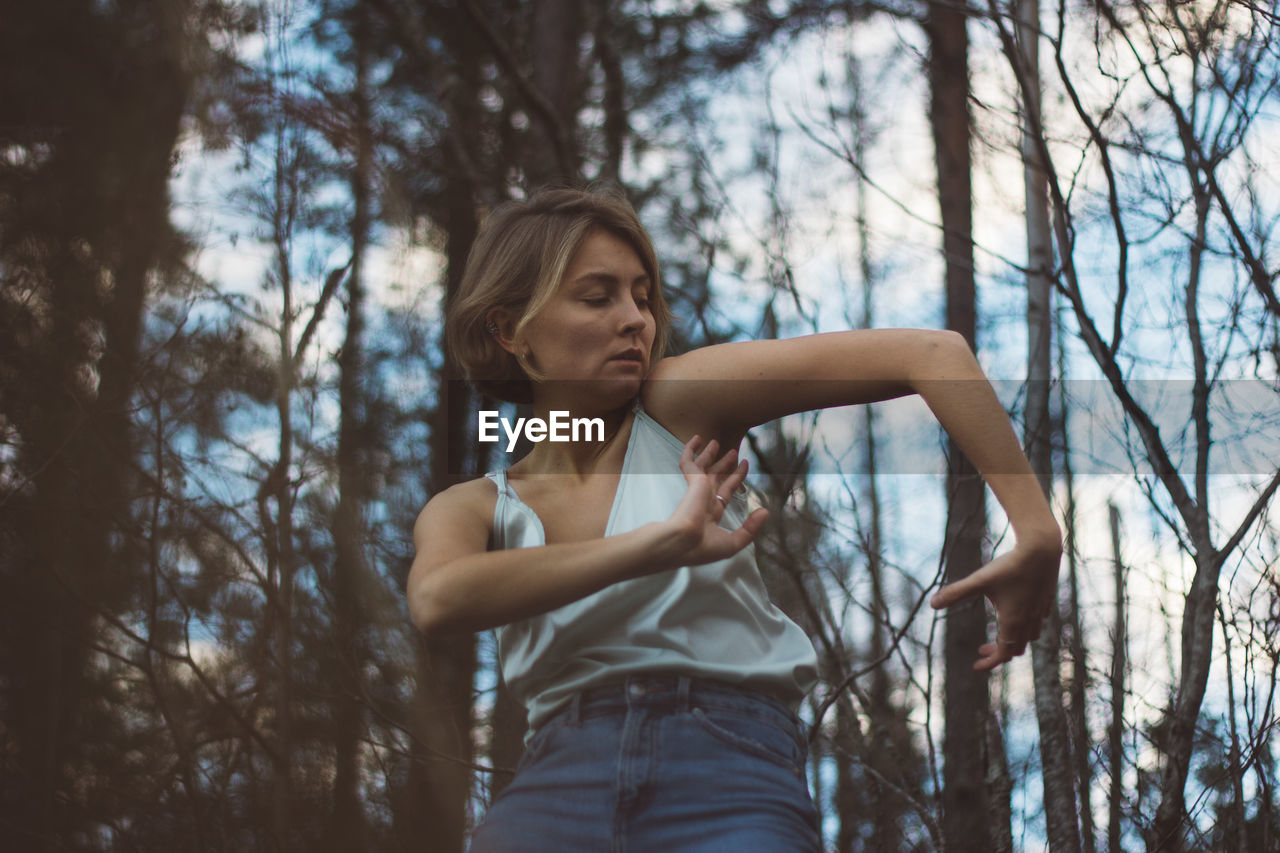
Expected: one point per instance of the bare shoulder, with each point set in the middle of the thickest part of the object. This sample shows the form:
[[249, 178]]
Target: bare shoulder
[[458, 520], [675, 394]]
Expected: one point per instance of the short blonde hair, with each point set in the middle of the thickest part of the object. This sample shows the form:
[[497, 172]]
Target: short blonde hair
[[518, 260]]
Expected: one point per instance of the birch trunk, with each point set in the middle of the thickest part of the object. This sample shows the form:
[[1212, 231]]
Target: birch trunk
[[1115, 743], [1081, 739], [1055, 743]]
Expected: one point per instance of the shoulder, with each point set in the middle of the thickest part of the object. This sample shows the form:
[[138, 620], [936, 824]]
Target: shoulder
[[464, 507], [680, 394]]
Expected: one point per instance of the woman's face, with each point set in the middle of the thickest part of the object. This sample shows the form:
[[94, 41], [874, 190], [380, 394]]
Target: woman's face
[[598, 327]]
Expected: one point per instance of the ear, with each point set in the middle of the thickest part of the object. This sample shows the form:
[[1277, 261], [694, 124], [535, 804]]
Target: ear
[[505, 323]]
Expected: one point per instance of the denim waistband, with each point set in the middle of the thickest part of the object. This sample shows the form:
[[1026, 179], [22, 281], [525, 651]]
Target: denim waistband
[[674, 692]]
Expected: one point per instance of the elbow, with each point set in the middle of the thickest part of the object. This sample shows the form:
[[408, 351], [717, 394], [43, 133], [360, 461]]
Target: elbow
[[425, 610], [948, 340], [423, 620], [939, 354], [422, 616], [951, 357], [432, 621]]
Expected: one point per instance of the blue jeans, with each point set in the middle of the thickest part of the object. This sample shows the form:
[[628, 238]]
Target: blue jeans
[[659, 764]]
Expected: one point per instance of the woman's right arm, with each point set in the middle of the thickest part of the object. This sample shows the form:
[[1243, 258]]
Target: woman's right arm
[[456, 585]]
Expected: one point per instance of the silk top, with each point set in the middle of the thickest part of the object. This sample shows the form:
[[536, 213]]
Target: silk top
[[713, 620]]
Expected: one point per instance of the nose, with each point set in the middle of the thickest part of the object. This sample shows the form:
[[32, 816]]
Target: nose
[[633, 319]]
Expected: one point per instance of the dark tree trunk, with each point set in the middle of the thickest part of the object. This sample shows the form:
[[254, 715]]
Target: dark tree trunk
[[966, 811], [350, 569], [447, 664], [558, 27], [102, 91]]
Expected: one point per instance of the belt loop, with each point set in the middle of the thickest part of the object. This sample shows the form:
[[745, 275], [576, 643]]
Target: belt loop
[[682, 695], [575, 709]]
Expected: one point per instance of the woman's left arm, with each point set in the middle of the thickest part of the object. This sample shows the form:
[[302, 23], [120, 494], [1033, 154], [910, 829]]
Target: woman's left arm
[[724, 390]]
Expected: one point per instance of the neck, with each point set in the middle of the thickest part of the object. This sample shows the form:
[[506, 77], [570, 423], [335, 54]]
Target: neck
[[575, 458]]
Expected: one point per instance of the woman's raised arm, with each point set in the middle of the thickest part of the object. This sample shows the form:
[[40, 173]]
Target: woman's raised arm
[[725, 390]]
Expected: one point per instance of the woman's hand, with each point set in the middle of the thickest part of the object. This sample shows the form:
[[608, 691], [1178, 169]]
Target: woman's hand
[[1022, 586], [694, 534]]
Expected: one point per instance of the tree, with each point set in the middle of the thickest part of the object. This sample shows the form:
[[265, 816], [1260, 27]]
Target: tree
[[1023, 53], [967, 813], [1195, 85], [350, 567], [90, 134]]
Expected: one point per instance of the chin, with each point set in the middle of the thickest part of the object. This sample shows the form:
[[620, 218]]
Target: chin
[[597, 394], [616, 393]]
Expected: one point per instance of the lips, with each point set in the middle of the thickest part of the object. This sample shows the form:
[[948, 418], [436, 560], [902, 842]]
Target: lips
[[634, 354]]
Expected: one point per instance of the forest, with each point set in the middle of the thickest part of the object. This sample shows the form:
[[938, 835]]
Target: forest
[[228, 231]]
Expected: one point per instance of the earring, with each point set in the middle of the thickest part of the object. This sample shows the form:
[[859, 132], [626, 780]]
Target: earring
[[491, 327]]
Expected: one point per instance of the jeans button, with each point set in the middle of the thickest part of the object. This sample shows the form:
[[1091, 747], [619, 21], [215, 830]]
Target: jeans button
[[636, 689]]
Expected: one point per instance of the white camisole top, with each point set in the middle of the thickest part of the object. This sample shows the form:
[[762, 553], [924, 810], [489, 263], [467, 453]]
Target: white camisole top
[[714, 621]]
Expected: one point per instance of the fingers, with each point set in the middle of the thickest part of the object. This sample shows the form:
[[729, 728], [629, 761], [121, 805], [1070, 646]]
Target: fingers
[[695, 461], [693, 449], [992, 655], [728, 471], [958, 591], [735, 478], [754, 523], [725, 465], [707, 456]]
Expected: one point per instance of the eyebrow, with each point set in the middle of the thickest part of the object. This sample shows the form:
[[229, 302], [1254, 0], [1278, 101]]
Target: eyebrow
[[609, 279]]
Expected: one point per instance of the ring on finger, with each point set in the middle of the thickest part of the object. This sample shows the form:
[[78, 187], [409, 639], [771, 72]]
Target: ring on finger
[[722, 499]]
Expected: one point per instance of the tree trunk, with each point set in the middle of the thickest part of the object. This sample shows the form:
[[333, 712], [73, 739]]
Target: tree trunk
[[443, 705], [1200, 607], [84, 230], [1081, 739], [279, 530], [1233, 834], [999, 788], [1055, 742], [1262, 832], [347, 831], [966, 812], [848, 787], [1119, 638], [558, 27], [885, 722]]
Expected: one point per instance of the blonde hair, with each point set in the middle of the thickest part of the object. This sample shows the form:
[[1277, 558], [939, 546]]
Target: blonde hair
[[518, 260]]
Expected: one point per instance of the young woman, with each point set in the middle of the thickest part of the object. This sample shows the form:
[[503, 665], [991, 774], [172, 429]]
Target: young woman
[[660, 681]]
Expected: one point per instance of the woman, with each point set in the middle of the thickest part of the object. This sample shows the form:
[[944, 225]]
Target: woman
[[661, 683]]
